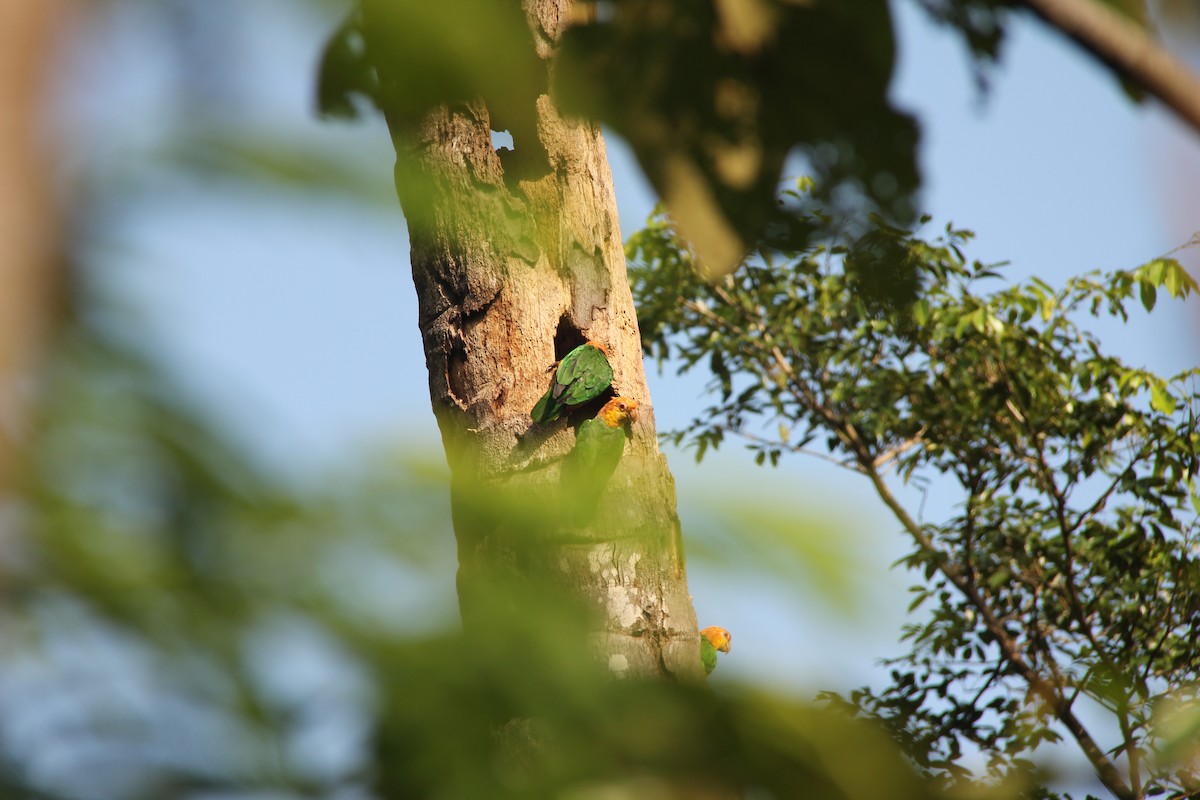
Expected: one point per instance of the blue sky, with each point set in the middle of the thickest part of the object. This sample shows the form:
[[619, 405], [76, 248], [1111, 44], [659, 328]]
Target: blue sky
[[292, 319]]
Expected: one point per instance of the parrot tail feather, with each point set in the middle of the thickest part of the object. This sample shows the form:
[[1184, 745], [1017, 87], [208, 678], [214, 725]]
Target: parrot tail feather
[[545, 410]]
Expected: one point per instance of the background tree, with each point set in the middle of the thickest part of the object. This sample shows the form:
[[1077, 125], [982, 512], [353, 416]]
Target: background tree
[[28, 217], [1068, 584]]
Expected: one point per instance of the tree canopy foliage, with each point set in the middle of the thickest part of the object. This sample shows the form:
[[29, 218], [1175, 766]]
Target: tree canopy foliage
[[1061, 592], [714, 96]]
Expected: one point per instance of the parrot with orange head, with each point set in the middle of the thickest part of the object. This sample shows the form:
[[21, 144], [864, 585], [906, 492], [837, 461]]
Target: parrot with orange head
[[599, 445], [582, 375], [712, 639]]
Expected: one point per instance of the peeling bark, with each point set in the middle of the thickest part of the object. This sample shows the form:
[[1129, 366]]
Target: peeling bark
[[517, 258]]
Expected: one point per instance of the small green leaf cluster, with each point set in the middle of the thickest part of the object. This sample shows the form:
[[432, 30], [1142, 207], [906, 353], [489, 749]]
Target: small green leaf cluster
[[1070, 565]]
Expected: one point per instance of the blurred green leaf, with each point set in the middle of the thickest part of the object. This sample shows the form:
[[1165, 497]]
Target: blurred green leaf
[[208, 630], [705, 94], [456, 52], [346, 76]]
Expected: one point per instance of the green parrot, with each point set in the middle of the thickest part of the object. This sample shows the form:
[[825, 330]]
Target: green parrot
[[581, 376], [599, 445], [712, 639]]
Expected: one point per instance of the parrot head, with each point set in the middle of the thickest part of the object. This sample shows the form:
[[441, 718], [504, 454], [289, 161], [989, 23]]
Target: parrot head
[[718, 637], [598, 346], [618, 411]]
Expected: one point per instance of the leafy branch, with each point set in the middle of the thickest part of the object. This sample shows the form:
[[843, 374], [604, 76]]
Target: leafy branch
[[1070, 568]]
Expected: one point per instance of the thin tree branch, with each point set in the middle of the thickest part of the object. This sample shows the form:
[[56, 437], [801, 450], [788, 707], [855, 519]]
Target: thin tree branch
[[805, 451], [902, 448], [1127, 48], [1106, 770], [1131, 748], [1098, 506], [1046, 475]]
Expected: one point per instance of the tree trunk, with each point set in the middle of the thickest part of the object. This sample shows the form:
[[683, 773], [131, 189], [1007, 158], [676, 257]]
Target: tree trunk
[[516, 261], [28, 222]]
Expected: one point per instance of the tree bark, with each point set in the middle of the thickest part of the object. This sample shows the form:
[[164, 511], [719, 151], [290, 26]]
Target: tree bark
[[516, 260]]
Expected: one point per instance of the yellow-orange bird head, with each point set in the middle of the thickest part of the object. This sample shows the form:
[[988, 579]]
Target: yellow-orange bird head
[[618, 410], [718, 637]]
